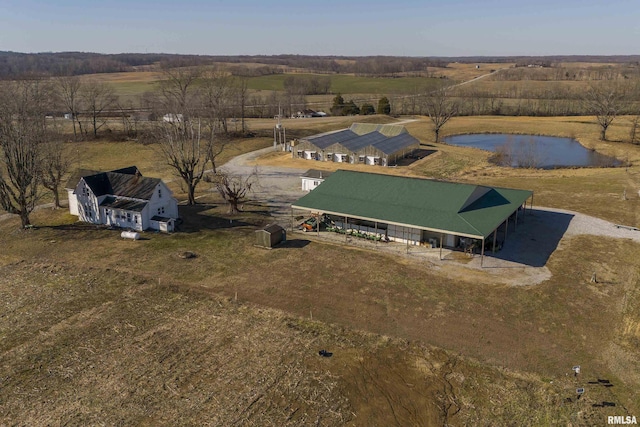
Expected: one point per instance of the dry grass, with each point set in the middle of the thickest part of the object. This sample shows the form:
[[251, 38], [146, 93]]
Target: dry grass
[[130, 333], [101, 330], [463, 72]]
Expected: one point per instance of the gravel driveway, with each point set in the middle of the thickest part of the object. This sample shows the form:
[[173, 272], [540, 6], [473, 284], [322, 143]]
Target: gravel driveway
[[277, 187]]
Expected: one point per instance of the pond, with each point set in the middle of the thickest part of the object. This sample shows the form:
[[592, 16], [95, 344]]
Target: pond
[[534, 151]]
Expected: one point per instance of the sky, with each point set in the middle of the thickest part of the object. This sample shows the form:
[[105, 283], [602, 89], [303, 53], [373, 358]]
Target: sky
[[329, 27]]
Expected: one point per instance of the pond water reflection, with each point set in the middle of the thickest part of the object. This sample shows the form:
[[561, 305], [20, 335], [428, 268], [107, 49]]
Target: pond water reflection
[[534, 151]]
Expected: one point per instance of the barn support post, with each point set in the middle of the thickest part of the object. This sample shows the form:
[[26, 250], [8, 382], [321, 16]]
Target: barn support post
[[376, 239], [292, 219], [441, 237], [318, 224], [495, 235], [345, 227], [506, 229], [515, 227], [482, 254], [531, 209], [407, 244]]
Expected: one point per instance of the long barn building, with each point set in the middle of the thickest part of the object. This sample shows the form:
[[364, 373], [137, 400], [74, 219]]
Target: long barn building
[[415, 210], [362, 143]]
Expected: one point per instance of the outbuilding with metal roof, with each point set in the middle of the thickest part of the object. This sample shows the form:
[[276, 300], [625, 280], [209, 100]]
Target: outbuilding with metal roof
[[415, 210], [362, 143]]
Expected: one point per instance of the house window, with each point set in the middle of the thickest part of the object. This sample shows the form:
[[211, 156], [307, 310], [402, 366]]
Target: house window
[[316, 183], [135, 219], [128, 216], [330, 157], [160, 193], [361, 159], [300, 154], [161, 210]]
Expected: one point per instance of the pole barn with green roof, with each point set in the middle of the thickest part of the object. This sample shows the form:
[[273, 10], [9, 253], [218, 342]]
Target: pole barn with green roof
[[414, 210]]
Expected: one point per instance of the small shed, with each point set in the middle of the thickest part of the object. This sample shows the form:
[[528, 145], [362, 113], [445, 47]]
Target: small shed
[[271, 235], [312, 178]]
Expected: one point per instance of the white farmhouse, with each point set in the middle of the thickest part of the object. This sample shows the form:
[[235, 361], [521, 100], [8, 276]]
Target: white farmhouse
[[122, 198]]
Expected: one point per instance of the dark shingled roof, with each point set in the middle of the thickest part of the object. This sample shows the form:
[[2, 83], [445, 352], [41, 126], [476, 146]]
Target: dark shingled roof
[[316, 174], [123, 204], [129, 170], [134, 186], [125, 182], [160, 218], [75, 177], [272, 228]]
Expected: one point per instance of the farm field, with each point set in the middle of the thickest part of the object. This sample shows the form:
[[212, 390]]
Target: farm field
[[129, 332], [130, 85]]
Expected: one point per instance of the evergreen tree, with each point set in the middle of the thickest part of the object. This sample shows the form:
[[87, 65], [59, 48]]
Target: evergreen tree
[[337, 109], [367, 109], [384, 106]]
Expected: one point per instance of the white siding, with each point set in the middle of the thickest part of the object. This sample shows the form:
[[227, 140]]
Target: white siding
[[404, 234], [73, 202], [87, 204], [309, 184], [371, 160], [162, 203], [449, 240]]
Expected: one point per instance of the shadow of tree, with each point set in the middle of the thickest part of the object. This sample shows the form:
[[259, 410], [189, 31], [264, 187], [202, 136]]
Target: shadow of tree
[[200, 217]]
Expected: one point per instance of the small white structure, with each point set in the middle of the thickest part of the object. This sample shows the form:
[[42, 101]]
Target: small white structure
[[312, 178], [122, 198], [173, 118], [130, 235]]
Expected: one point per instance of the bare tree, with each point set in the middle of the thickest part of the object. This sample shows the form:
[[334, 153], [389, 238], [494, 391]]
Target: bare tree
[[605, 102], [68, 92], [56, 162], [243, 90], [440, 106], [129, 119], [633, 133], [176, 89], [234, 189], [215, 103], [186, 152], [98, 97], [22, 135]]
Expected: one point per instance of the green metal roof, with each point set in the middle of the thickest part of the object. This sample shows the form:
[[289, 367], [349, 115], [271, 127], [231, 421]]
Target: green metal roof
[[461, 209]]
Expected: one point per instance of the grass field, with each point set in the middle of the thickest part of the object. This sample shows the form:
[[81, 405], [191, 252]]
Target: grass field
[[346, 84], [96, 329], [129, 85]]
